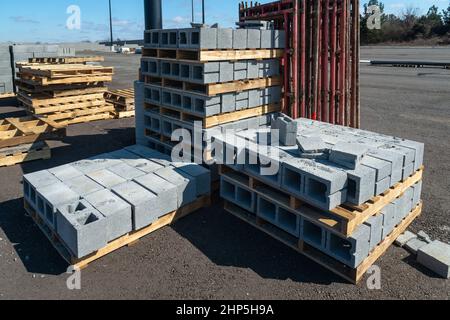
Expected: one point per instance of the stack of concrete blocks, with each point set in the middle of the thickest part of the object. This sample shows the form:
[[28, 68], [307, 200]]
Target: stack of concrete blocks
[[215, 38], [346, 166], [92, 202], [6, 82]]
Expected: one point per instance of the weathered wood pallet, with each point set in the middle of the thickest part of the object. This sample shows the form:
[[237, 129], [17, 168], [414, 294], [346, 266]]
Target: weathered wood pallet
[[26, 130], [123, 101], [352, 275], [11, 156], [64, 107], [7, 95], [81, 115], [214, 89], [126, 240], [62, 71], [56, 91], [66, 60], [213, 55], [117, 114], [42, 100], [339, 220], [211, 121], [44, 81]]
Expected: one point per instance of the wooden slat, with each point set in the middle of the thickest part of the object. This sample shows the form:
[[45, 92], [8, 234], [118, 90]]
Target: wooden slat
[[242, 85], [40, 100], [13, 156]]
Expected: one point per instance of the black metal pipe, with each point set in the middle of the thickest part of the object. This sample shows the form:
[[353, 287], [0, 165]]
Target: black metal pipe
[[153, 14], [203, 11], [110, 24]]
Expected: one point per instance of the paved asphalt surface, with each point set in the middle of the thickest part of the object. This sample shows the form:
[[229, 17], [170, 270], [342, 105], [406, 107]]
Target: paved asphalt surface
[[212, 255]]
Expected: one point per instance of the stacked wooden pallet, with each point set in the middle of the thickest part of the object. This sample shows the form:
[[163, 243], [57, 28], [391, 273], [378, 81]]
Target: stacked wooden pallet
[[123, 101], [66, 91], [23, 139]]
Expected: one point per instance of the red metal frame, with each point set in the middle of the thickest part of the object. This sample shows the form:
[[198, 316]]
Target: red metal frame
[[321, 61]]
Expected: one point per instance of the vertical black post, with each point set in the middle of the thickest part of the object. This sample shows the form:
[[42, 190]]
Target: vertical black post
[[203, 11], [110, 24], [193, 13], [153, 14]]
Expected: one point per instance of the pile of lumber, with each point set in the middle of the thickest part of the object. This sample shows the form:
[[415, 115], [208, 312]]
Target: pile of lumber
[[123, 101], [65, 90], [23, 139]]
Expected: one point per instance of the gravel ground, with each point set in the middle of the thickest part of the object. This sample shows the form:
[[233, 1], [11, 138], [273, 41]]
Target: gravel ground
[[212, 255]]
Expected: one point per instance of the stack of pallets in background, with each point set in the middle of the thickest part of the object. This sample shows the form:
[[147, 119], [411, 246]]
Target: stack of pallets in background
[[123, 101], [208, 75], [65, 90], [23, 139], [340, 196]]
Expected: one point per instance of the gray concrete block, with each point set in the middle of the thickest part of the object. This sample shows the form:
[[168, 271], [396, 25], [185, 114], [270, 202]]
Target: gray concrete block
[[414, 245], [106, 178], [202, 177], [126, 171], [253, 39], [361, 185], [403, 239], [146, 206], [204, 38], [254, 99], [417, 193], [383, 168], [407, 154], [389, 219], [311, 144], [395, 159], [424, 237], [65, 172], [228, 102], [82, 228], [94, 164], [419, 150], [117, 212], [186, 185], [436, 257], [224, 38], [313, 235], [252, 69], [226, 71], [164, 190], [51, 197], [376, 230], [240, 39], [353, 250], [83, 185], [382, 186], [348, 155], [33, 182], [288, 130], [408, 171]]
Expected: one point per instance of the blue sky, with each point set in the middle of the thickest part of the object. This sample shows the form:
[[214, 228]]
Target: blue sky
[[45, 20]]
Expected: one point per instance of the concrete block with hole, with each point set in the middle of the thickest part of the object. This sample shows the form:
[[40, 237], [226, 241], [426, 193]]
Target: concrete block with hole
[[361, 185], [202, 38], [281, 217], [394, 158], [49, 198], [186, 185], [117, 212], [240, 196], [351, 251], [313, 234], [436, 257], [82, 228], [383, 168], [33, 182]]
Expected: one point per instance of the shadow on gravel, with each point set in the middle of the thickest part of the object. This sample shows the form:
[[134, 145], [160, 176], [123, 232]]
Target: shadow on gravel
[[412, 261], [228, 241]]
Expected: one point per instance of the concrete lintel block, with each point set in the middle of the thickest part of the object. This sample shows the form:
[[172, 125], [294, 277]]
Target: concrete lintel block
[[436, 257], [383, 168]]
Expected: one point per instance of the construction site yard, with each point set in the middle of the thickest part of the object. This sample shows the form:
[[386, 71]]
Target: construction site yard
[[213, 255]]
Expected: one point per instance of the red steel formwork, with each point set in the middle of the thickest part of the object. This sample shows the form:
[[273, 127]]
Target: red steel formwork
[[321, 61]]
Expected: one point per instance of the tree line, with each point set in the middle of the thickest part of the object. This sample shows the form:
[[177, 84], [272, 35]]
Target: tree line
[[407, 27]]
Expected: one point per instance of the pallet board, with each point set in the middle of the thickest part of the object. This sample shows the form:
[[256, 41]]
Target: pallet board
[[56, 91], [126, 240], [44, 81], [213, 55], [123, 114], [122, 97], [7, 95], [339, 220], [25, 130], [65, 71], [66, 60], [352, 275], [24, 153], [42, 100], [214, 89]]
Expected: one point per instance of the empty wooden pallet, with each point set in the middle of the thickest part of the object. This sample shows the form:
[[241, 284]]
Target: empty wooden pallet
[[24, 153]]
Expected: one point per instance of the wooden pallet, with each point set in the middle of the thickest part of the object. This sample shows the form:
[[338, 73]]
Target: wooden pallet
[[66, 60], [7, 95], [24, 153], [126, 240], [65, 71], [213, 55], [42, 100], [352, 275], [340, 220], [81, 115], [214, 89], [26, 130], [65, 107], [56, 91], [123, 114], [44, 81], [211, 121], [122, 99]]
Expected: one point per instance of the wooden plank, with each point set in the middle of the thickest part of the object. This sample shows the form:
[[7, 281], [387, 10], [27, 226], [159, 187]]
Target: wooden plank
[[25, 153], [7, 95], [40, 100], [63, 71], [242, 85], [40, 81], [66, 107], [67, 60], [239, 115], [230, 55]]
